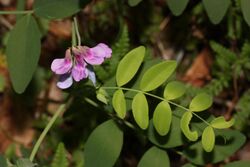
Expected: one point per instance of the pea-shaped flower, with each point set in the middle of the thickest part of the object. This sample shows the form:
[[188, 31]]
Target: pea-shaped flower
[[77, 64]]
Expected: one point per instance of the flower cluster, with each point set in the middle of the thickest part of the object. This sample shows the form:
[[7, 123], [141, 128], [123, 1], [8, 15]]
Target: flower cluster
[[77, 64]]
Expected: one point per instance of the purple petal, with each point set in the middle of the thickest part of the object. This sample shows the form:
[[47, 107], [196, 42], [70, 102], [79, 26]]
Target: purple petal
[[79, 71], [106, 49], [65, 81], [61, 66], [97, 54], [92, 59]]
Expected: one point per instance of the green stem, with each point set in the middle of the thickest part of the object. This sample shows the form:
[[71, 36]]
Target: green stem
[[77, 31], [73, 33], [60, 110], [16, 12], [157, 97]]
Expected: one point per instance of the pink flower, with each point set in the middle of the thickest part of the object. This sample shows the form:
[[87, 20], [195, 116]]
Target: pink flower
[[95, 55], [77, 64]]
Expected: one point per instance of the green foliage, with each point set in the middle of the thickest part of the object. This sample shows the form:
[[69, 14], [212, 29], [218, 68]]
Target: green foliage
[[60, 157], [226, 144], [102, 96], [119, 49], [174, 90], [103, 146], [221, 123], [185, 121], [228, 67], [24, 163], [119, 103], [245, 10], [56, 9], [200, 102], [177, 6], [157, 75], [242, 115], [216, 10], [238, 163], [208, 139], [140, 110], [129, 65], [173, 139], [23, 51], [2, 83], [154, 157], [162, 118]]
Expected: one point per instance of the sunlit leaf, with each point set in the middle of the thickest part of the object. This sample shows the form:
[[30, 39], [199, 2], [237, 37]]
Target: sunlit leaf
[[177, 6], [154, 157], [185, 121], [23, 51], [102, 98], [134, 2], [157, 75], [221, 123], [140, 110], [56, 9], [102, 95], [216, 9], [245, 10], [227, 143], [129, 65], [174, 137], [103, 146], [162, 118], [200, 102], [174, 90], [208, 139], [119, 103]]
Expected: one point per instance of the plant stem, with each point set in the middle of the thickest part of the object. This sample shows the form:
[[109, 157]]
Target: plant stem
[[60, 110], [73, 35], [16, 12], [77, 31], [157, 97]]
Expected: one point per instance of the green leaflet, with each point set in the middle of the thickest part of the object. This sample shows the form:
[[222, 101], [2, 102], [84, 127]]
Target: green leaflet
[[119, 103], [154, 157], [60, 157], [103, 146], [185, 121], [221, 123], [200, 102], [140, 110], [245, 10], [174, 138], [157, 75], [174, 90], [129, 65], [177, 6], [102, 95], [23, 51], [215, 9], [208, 139], [162, 118], [57, 9], [227, 143]]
